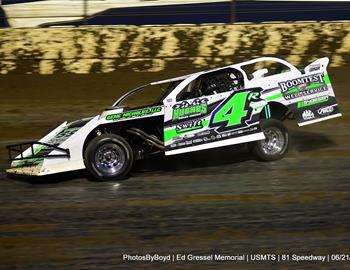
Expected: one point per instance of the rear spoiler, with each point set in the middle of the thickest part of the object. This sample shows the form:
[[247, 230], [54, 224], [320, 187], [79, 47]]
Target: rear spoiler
[[318, 65]]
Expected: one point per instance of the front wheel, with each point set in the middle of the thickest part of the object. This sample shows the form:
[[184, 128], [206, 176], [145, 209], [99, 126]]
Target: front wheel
[[108, 157], [275, 145]]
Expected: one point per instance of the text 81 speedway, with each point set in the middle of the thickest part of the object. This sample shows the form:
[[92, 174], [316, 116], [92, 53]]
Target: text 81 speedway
[[224, 106]]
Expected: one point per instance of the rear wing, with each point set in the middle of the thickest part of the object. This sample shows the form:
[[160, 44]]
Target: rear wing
[[320, 64]]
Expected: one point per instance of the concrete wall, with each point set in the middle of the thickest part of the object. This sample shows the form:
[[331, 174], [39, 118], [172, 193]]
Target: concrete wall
[[155, 48]]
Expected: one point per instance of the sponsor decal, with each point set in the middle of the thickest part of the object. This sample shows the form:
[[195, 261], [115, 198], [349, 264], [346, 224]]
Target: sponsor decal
[[203, 133], [290, 84], [35, 161], [63, 135], [308, 115], [303, 86], [327, 110], [313, 101], [314, 67], [187, 109], [189, 126], [135, 113]]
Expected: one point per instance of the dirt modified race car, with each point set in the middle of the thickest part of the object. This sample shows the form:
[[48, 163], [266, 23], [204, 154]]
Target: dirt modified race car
[[240, 103]]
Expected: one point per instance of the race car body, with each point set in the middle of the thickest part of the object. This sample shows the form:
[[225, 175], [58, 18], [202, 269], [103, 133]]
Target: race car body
[[240, 103]]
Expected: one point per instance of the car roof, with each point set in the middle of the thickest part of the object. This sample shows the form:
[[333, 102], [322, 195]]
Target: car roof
[[236, 66]]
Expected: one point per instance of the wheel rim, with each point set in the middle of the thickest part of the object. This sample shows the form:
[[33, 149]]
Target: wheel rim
[[274, 142], [110, 158]]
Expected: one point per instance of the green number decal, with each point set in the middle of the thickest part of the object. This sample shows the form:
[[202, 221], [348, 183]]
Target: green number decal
[[232, 112]]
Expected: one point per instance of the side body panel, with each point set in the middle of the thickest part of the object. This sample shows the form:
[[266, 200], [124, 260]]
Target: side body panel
[[231, 117]]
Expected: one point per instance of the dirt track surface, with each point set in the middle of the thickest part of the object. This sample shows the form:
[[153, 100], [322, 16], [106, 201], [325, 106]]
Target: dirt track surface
[[218, 201], [230, 206]]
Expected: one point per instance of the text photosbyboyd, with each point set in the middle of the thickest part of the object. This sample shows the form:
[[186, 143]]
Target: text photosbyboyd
[[238, 258]]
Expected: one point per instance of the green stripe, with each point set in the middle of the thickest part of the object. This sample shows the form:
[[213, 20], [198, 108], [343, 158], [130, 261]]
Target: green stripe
[[169, 134], [327, 79], [302, 104], [280, 95], [274, 97], [36, 151], [293, 90], [189, 129], [314, 85]]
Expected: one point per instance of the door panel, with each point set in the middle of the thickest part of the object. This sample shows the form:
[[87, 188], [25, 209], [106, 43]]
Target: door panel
[[212, 121]]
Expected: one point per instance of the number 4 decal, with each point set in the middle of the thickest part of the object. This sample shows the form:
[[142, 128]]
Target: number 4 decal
[[233, 112]]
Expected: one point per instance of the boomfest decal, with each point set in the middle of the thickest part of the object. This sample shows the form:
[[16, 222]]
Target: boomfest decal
[[303, 86]]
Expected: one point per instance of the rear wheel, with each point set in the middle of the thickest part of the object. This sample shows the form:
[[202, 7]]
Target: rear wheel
[[108, 157], [275, 145]]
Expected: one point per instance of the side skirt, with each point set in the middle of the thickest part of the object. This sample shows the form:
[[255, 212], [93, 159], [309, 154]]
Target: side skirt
[[243, 139]]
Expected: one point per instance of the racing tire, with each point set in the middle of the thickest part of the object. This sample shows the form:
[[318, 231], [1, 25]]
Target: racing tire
[[275, 145], [108, 157]]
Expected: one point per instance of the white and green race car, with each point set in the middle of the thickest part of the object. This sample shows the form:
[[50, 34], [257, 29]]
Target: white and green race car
[[240, 103]]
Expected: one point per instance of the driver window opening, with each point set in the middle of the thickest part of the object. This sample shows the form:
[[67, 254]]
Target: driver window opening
[[148, 95], [216, 82]]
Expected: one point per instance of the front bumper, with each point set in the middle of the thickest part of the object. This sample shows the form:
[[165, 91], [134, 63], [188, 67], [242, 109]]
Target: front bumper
[[30, 161], [30, 153], [32, 171]]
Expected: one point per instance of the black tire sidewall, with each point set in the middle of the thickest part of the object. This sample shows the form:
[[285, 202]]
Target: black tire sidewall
[[257, 146], [89, 156]]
